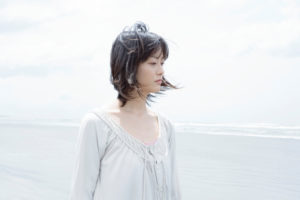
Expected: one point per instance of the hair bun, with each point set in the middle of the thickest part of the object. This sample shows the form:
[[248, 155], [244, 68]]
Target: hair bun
[[140, 26]]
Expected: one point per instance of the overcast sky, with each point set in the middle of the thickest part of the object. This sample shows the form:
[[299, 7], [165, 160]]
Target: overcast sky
[[238, 60]]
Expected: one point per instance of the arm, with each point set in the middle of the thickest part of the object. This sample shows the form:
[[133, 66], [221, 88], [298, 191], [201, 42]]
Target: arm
[[87, 164], [175, 188]]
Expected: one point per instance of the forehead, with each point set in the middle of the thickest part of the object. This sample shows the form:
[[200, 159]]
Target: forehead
[[158, 54]]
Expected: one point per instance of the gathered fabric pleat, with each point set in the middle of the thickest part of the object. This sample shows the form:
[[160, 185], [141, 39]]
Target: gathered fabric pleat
[[153, 166]]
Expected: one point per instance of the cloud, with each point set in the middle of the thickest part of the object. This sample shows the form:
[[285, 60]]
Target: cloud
[[291, 50], [35, 11], [32, 71], [229, 55]]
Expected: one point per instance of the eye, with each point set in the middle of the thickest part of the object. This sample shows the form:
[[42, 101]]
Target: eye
[[152, 63]]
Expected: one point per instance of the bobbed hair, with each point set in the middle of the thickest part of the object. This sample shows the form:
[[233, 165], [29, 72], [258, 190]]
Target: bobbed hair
[[133, 46]]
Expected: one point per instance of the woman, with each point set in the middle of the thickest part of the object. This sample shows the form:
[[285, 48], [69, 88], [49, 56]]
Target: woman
[[125, 151]]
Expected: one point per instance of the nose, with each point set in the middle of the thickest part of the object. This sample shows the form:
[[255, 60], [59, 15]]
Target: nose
[[161, 69]]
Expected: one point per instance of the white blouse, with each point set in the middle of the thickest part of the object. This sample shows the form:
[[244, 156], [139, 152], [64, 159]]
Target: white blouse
[[112, 164]]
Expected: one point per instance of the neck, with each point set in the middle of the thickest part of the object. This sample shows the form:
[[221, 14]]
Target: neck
[[136, 107]]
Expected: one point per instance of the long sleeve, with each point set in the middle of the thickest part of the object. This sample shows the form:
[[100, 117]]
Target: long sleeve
[[175, 187], [89, 150]]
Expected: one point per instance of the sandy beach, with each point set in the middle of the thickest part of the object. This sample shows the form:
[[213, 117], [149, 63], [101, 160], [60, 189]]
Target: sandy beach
[[219, 167]]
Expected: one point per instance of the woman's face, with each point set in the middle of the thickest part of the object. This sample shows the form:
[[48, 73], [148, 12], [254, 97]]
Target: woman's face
[[150, 71]]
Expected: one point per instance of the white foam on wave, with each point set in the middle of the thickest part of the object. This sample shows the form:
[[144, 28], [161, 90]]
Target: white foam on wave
[[252, 125], [248, 130], [249, 135]]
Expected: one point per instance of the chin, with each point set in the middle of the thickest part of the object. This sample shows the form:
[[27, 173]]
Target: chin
[[157, 89], [154, 89]]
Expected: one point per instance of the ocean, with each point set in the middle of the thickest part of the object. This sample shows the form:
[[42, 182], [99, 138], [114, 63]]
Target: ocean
[[215, 161]]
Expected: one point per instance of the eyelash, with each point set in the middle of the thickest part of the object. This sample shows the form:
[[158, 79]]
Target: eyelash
[[155, 63]]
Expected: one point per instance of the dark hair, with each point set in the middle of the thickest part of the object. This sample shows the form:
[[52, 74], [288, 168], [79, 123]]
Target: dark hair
[[131, 47]]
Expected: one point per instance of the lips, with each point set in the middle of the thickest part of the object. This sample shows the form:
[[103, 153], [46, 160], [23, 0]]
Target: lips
[[158, 81]]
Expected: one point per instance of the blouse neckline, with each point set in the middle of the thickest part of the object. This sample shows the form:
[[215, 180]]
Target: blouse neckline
[[130, 136]]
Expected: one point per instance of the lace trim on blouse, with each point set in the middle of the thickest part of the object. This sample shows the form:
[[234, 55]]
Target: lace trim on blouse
[[158, 150]]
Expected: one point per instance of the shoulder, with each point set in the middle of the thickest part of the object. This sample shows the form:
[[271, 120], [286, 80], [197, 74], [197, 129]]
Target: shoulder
[[93, 132], [94, 119], [90, 118], [166, 119], [168, 125]]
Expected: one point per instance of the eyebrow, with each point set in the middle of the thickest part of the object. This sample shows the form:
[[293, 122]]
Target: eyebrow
[[156, 57]]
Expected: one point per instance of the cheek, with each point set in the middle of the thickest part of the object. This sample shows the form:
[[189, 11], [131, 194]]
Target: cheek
[[145, 75]]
